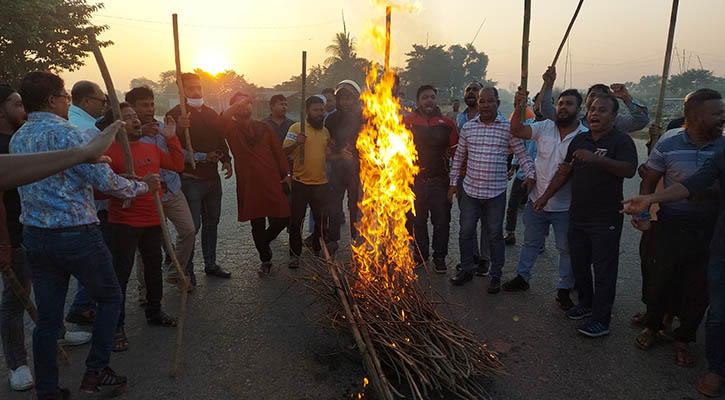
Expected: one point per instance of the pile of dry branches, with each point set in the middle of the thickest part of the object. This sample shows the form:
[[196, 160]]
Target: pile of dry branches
[[401, 330]]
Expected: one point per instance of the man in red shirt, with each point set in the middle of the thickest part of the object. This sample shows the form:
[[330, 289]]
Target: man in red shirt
[[138, 226], [259, 163]]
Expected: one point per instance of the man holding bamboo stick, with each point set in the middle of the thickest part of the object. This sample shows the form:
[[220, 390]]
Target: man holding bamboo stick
[[62, 238], [202, 185]]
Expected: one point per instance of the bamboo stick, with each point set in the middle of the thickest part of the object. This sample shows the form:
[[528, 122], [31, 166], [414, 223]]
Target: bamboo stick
[[665, 71], [115, 105], [525, 54], [566, 34], [387, 38], [303, 105], [180, 84]]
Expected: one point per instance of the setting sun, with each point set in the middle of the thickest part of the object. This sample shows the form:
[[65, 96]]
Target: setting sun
[[213, 62]]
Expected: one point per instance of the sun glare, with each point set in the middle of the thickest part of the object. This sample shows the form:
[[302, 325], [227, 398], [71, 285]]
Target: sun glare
[[212, 62]]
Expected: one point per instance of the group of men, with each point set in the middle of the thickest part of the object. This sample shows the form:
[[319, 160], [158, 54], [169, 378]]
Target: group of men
[[569, 169]]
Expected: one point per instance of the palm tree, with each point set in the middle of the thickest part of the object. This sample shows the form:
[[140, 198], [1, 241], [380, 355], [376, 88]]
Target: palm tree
[[342, 49]]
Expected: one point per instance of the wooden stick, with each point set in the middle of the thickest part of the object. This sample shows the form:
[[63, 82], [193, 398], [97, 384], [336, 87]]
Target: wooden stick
[[387, 38], [180, 84], [303, 105], [525, 54], [665, 70], [115, 105], [566, 35]]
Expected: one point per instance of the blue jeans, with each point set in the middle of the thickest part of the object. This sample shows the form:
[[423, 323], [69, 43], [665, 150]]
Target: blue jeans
[[83, 302], [536, 227], [715, 322], [52, 257], [205, 203], [492, 210], [482, 252]]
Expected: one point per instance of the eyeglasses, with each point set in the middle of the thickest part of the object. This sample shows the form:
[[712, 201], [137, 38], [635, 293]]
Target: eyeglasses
[[102, 100]]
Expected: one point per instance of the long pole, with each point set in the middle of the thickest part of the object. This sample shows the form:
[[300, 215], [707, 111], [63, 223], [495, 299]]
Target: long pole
[[182, 95], [665, 70], [115, 106], [388, 10], [525, 54], [566, 35], [303, 104]]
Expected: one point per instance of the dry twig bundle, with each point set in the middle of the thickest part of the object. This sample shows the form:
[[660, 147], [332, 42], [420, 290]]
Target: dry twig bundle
[[412, 340]]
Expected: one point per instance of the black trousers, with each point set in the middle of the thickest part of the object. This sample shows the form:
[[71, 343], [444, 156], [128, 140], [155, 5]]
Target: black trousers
[[518, 196], [125, 239], [302, 196], [647, 251], [682, 253], [595, 247], [431, 199], [263, 235], [342, 180]]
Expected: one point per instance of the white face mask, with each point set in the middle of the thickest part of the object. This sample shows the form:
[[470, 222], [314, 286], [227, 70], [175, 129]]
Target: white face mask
[[196, 103]]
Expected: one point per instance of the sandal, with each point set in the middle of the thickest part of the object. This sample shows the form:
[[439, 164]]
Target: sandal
[[120, 342], [682, 356], [646, 339], [161, 319], [639, 319], [709, 384]]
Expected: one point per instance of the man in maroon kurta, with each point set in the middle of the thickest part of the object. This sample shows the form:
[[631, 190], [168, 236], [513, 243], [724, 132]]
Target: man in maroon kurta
[[263, 174]]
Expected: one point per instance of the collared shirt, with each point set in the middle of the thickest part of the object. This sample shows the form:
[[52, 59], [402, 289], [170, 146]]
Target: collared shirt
[[551, 151], [596, 194], [87, 124], [313, 171], [678, 158], [206, 133], [65, 199], [485, 148], [170, 179], [463, 118], [713, 170], [281, 129], [435, 138]]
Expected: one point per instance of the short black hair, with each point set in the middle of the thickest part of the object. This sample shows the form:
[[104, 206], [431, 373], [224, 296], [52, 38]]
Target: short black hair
[[699, 96], [81, 90], [599, 87], [276, 99], [188, 76], [609, 98], [313, 100], [37, 87], [569, 92], [108, 118], [423, 89], [493, 88], [328, 90], [138, 94], [5, 92]]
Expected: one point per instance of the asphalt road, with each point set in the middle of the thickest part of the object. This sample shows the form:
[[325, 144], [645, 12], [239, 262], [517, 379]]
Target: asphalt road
[[252, 338]]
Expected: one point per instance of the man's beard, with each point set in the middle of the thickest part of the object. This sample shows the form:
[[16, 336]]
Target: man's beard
[[471, 102], [316, 123], [565, 121]]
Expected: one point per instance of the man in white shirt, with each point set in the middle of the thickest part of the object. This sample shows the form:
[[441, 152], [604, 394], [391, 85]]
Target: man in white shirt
[[552, 142]]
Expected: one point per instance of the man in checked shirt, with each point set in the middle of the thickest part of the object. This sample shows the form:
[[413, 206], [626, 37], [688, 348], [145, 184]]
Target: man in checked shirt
[[483, 146]]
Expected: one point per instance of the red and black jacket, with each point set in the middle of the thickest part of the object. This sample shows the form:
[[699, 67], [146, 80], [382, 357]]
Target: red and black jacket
[[435, 138]]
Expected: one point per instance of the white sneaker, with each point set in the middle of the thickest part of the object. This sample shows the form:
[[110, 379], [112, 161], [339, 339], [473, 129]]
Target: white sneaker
[[75, 338], [21, 378]]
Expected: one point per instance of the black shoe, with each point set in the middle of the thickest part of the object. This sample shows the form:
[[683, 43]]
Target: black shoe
[[510, 239], [62, 394], [84, 318], [458, 267], [516, 284], [562, 297], [495, 285], [92, 381], [461, 277], [440, 265], [216, 270], [484, 267]]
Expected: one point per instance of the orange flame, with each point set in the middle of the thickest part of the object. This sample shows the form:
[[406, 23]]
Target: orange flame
[[388, 165]]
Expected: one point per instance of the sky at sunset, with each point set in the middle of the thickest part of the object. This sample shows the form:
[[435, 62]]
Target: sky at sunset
[[612, 41]]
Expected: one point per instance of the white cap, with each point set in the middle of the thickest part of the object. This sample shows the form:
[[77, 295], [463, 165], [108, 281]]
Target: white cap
[[350, 83]]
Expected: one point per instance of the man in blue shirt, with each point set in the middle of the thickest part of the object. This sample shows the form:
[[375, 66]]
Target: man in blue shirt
[[62, 238], [684, 227]]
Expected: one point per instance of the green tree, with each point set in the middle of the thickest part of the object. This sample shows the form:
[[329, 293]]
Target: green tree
[[143, 81], [44, 35]]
